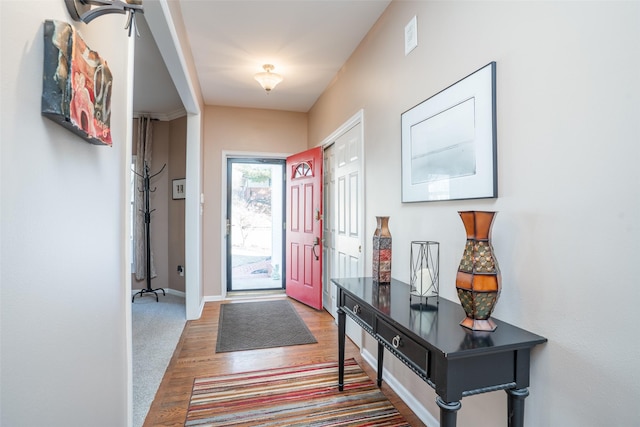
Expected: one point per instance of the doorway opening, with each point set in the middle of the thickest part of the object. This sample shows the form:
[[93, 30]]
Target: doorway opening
[[255, 224]]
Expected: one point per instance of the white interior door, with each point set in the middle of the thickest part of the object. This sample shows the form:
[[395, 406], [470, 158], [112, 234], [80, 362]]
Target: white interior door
[[344, 215], [349, 225]]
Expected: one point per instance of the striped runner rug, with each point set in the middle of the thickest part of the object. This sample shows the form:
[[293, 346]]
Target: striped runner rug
[[294, 396]]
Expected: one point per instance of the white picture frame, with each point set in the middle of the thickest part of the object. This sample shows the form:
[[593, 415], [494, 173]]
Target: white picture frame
[[449, 142], [179, 188]]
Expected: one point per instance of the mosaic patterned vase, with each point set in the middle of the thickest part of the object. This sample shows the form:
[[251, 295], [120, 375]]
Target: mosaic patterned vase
[[382, 251], [478, 280]]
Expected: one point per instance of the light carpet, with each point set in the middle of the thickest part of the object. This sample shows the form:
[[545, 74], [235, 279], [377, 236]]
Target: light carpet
[[294, 396], [156, 330]]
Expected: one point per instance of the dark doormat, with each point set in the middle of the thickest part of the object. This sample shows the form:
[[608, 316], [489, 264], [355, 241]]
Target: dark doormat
[[253, 325]]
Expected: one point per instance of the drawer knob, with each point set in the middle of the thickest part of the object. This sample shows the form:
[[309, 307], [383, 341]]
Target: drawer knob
[[356, 309], [396, 341]]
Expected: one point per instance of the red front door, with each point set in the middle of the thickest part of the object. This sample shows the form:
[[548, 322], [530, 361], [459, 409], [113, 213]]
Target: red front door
[[304, 227]]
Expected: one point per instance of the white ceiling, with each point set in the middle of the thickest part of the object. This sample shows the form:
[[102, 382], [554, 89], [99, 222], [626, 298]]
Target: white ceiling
[[308, 41], [153, 91]]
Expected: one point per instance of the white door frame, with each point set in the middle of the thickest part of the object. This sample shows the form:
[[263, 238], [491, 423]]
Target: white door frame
[[160, 20], [161, 24], [226, 154]]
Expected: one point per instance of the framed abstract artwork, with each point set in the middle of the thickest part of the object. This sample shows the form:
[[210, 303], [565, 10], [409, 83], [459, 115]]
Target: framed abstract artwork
[[76, 89], [449, 142]]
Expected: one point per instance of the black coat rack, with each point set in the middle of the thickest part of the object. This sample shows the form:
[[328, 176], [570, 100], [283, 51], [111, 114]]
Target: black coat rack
[[147, 222]]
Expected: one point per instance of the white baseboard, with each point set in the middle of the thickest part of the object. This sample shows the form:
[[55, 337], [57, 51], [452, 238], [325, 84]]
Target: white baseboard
[[408, 398], [200, 310], [177, 293]]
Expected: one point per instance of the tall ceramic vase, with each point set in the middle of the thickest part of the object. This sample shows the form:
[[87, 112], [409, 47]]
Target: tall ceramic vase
[[382, 251], [478, 280]]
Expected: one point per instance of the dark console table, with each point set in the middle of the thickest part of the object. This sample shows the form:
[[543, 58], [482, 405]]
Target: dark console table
[[428, 338]]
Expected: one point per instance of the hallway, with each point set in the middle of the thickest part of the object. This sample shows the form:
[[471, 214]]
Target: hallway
[[195, 356]]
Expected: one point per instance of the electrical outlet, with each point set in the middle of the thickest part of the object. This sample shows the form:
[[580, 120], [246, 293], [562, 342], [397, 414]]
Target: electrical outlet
[[411, 35]]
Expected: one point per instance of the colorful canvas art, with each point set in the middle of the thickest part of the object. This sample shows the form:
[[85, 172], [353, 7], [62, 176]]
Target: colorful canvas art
[[76, 91]]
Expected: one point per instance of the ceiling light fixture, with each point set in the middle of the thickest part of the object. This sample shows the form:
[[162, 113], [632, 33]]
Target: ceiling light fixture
[[82, 10], [267, 79]]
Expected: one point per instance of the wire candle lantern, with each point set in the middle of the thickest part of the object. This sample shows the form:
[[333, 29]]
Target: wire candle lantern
[[424, 281]]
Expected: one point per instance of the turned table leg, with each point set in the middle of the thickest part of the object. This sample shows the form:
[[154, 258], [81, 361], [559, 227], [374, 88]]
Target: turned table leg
[[448, 412], [515, 407]]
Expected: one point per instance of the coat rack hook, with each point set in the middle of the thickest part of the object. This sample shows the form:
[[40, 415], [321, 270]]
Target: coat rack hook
[[82, 10]]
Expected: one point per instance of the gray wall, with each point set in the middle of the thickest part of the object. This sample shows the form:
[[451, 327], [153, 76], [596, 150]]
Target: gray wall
[[566, 235], [65, 280]]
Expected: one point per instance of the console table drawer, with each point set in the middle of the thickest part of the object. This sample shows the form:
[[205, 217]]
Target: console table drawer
[[362, 313], [404, 345]]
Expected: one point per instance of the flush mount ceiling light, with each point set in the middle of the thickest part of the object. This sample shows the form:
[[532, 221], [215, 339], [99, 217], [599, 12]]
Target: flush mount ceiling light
[[82, 10], [267, 79]]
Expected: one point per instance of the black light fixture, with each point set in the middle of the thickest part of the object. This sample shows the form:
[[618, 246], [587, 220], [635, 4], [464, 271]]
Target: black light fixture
[[83, 10]]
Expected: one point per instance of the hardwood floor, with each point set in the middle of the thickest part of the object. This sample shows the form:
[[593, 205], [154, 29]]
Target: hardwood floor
[[195, 356]]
